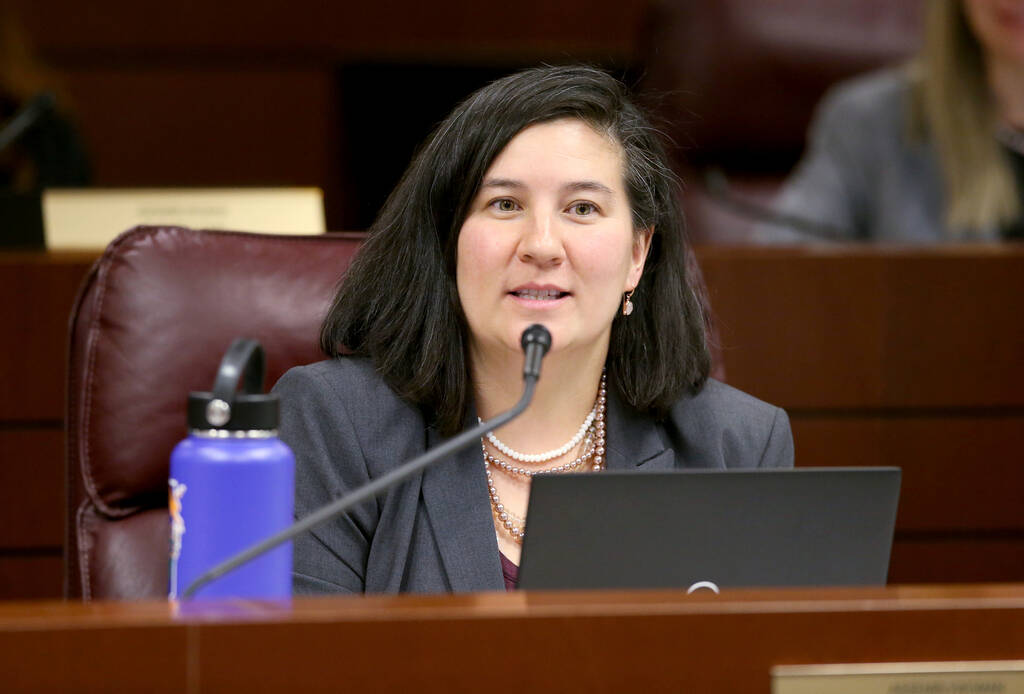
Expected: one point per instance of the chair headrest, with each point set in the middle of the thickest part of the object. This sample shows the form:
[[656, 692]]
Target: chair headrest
[[151, 324]]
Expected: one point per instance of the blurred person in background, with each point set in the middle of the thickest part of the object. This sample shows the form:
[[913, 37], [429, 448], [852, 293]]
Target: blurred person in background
[[39, 145], [931, 151]]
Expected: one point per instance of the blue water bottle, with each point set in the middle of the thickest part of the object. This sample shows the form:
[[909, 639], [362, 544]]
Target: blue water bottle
[[232, 484]]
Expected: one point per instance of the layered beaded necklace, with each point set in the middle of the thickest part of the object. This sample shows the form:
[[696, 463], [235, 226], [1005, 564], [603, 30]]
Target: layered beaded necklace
[[592, 434]]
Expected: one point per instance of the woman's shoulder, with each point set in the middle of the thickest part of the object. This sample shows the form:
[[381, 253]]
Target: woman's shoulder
[[341, 417], [724, 422], [340, 370], [880, 97], [328, 375], [344, 384], [726, 406]]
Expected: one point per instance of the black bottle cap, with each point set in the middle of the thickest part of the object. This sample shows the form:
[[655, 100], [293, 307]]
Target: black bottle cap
[[228, 408]]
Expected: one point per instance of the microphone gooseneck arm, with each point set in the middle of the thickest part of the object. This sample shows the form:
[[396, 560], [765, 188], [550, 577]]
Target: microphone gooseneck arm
[[25, 118], [535, 347], [720, 191]]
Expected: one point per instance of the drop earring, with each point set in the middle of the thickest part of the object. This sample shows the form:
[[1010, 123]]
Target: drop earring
[[627, 304]]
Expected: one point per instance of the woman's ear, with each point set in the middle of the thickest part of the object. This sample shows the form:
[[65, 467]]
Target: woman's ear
[[641, 247]]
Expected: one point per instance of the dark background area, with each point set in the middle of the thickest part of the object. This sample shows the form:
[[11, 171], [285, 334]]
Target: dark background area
[[339, 94], [334, 95]]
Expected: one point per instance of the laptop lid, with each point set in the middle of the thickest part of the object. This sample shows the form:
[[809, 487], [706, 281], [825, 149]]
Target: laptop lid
[[795, 527]]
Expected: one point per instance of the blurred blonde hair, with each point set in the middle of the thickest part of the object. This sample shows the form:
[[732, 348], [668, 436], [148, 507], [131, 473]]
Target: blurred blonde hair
[[953, 106]]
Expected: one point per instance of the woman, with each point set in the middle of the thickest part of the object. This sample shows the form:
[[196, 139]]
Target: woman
[[933, 151], [543, 198]]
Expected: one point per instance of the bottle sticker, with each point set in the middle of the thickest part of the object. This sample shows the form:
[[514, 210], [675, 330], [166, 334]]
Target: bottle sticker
[[176, 491]]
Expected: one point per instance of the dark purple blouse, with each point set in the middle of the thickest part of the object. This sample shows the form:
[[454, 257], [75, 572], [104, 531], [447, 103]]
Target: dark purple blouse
[[510, 571]]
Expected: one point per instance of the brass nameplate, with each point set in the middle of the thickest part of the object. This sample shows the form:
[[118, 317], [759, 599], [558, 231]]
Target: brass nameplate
[[961, 677], [92, 218]]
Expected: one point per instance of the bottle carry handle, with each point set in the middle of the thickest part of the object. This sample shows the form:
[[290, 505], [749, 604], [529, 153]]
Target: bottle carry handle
[[244, 363], [237, 401]]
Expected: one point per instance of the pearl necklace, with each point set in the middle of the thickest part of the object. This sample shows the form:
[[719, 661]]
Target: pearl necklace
[[513, 524], [512, 470], [554, 453]]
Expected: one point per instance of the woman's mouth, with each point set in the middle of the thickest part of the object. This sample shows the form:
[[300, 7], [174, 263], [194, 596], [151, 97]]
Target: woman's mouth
[[539, 294]]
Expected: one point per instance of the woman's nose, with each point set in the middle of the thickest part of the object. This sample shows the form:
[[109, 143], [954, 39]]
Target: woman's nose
[[541, 241]]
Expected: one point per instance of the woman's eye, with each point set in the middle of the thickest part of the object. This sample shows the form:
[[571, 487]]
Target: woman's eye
[[505, 205], [583, 209]]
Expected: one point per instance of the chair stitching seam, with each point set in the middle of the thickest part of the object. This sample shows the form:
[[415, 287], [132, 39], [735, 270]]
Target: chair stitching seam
[[83, 554], [94, 330]]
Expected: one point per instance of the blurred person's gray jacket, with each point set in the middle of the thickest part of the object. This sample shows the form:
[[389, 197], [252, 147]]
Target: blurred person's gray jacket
[[862, 173]]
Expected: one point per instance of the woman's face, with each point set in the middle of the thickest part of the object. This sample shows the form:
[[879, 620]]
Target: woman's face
[[999, 27], [549, 239]]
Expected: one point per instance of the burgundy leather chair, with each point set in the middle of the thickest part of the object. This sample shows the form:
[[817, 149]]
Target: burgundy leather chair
[[737, 83], [151, 323]]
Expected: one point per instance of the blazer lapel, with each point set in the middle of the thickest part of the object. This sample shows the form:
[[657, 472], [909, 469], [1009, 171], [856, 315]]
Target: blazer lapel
[[455, 495], [633, 441]]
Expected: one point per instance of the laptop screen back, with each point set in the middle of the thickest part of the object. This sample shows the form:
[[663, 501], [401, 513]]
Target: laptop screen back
[[799, 527]]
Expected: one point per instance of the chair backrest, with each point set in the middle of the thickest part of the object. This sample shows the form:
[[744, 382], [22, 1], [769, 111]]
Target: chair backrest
[[737, 82], [151, 323], [742, 78]]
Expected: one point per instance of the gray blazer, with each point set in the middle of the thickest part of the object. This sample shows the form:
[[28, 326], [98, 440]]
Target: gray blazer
[[863, 173], [434, 533]]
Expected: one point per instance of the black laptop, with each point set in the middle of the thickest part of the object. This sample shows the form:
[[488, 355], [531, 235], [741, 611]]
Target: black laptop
[[703, 528]]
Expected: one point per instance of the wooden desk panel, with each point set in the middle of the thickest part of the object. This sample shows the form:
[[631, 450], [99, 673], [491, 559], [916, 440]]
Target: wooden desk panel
[[31, 575], [38, 290], [954, 333], [864, 327], [958, 557], [31, 488], [799, 330], [543, 642], [959, 473]]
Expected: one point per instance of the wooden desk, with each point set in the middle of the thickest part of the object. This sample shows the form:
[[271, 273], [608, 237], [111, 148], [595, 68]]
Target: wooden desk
[[544, 642], [882, 356]]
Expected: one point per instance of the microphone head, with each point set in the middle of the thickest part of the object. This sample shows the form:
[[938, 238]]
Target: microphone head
[[44, 100], [537, 335]]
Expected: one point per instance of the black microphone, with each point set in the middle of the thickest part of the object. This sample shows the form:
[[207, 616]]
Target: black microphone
[[535, 340], [29, 114], [719, 190]]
